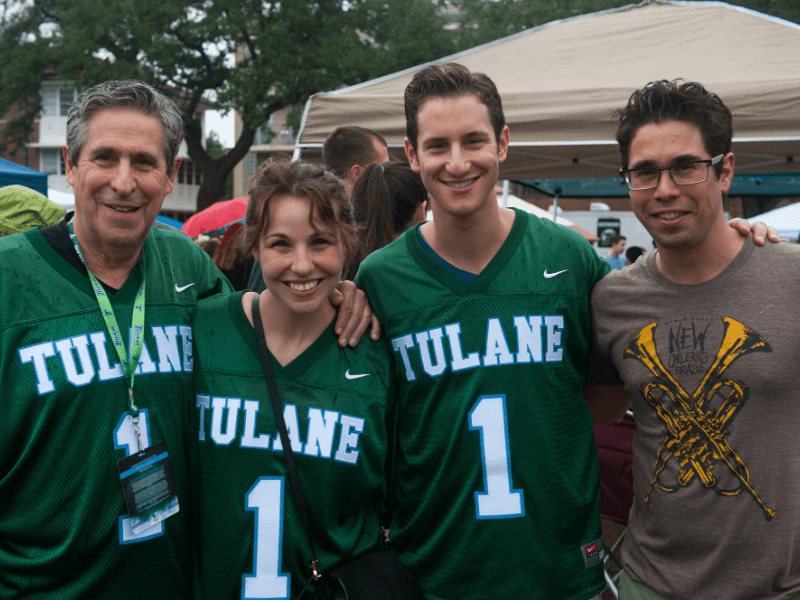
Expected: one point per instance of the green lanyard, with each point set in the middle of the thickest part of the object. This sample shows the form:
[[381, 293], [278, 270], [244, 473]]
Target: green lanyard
[[137, 330]]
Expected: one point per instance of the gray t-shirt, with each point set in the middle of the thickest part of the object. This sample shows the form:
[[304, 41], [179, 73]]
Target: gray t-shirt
[[712, 370]]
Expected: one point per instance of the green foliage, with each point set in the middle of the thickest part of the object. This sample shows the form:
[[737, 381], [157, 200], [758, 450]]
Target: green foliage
[[286, 52], [214, 146]]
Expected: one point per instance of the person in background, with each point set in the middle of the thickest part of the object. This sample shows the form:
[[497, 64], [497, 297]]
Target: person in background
[[351, 149], [615, 256], [388, 199], [231, 260], [633, 253], [209, 246]]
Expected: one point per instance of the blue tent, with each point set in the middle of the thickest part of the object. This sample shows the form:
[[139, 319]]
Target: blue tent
[[14, 174]]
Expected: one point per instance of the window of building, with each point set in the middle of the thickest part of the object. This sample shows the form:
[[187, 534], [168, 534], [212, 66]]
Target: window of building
[[56, 101], [52, 162]]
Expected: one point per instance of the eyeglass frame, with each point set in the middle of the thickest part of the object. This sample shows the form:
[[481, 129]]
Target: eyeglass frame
[[709, 162]]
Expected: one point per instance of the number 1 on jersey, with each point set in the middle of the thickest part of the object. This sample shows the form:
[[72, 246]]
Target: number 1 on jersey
[[266, 499], [499, 501]]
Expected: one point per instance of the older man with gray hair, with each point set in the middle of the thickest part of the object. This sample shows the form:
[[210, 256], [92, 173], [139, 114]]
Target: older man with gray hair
[[96, 365], [79, 399]]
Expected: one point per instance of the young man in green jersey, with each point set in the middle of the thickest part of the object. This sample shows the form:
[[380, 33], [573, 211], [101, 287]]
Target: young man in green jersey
[[496, 489], [73, 383]]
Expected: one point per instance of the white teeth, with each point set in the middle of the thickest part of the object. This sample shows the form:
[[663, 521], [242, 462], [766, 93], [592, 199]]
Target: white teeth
[[123, 209], [463, 184], [669, 216], [304, 287]]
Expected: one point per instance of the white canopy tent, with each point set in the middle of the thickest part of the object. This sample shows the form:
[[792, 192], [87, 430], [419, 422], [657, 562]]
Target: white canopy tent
[[561, 83], [786, 220]]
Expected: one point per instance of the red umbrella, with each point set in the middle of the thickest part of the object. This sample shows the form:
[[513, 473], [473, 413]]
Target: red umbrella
[[216, 216]]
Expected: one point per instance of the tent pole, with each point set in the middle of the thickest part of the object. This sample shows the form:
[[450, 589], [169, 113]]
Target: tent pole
[[555, 203], [505, 193]]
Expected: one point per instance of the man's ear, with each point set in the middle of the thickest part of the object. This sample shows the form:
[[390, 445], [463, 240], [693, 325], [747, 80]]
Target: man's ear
[[411, 154], [70, 167], [502, 144], [726, 176], [171, 175], [353, 173]]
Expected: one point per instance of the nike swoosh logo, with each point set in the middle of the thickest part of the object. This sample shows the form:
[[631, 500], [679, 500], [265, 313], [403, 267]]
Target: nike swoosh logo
[[551, 275], [181, 288], [348, 376]]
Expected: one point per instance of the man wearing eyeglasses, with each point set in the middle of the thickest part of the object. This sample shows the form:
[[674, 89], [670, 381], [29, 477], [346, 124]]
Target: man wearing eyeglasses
[[710, 361]]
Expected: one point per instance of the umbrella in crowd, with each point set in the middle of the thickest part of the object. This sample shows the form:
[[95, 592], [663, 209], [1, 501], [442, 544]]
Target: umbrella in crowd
[[216, 216]]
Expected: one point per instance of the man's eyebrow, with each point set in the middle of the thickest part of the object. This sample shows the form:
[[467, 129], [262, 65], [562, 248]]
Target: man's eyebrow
[[683, 158], [98, 151], [151, 157], [433, 140]]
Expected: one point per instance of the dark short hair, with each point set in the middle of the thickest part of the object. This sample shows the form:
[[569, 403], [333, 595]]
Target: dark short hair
[[348, 146], [280, 177], [678, 100], [450, 79], [615, 239], [130, 94], [633, 253], [385, 199]]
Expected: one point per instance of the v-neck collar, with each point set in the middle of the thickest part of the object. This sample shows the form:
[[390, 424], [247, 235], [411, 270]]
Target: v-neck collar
[[80, 279], [486, 276], [296, 366]]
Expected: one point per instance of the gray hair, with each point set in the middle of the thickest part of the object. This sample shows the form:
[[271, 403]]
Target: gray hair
[[132, 94]]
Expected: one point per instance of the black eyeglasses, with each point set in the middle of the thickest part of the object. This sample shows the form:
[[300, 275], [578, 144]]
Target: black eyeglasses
[[688, 173]]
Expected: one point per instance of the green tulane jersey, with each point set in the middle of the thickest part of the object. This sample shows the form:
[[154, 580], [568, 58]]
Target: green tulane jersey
[[252, 542], [496, 486], [64, 526]]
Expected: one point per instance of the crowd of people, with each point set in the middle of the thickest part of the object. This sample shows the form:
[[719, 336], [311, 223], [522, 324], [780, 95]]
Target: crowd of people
[[462, 426]]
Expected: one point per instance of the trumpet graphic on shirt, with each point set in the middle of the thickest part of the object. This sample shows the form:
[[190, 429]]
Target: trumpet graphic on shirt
[[696, 433]]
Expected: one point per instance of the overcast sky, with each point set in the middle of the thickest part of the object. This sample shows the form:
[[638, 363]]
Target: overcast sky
[[224, 126]]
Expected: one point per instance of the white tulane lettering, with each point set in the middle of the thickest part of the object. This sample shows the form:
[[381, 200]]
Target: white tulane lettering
[[435, 335], [105, 371], [249, 439], [497, 351], [37, 354], [89, 355], [402, 344], [459, 362], [203, 403], [292, 430], [555, 325], [219, 405], [529, 338], [351, 427], [81, 345], [538, 340], [167, 344], [321, 430], [186, 341], [321, 427]]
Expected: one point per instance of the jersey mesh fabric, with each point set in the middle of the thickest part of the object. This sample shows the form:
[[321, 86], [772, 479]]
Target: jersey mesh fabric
[[341, 490], [452, 411], [62, 515]]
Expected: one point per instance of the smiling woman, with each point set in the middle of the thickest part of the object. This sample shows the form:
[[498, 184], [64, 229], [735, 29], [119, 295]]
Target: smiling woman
[[298, 224]]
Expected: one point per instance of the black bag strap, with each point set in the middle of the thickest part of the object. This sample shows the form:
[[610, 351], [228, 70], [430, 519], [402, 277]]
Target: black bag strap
[[291, 466]]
